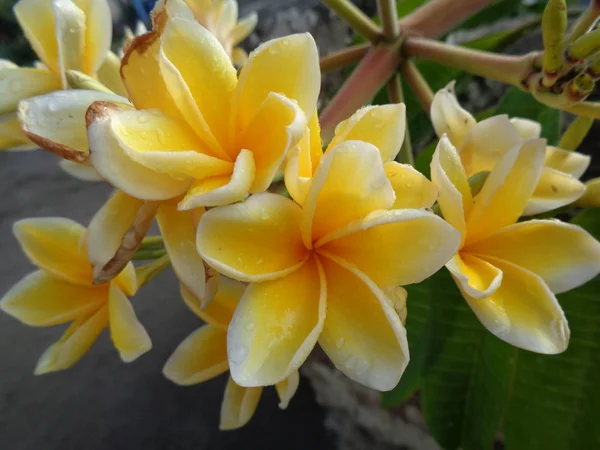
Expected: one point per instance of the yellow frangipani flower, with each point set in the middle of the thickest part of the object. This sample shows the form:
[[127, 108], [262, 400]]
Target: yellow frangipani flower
[[62, 291], [509, 271], [323, 271], [220, 17], [65, 35], [481, 145], [203, 355], [382, 126]]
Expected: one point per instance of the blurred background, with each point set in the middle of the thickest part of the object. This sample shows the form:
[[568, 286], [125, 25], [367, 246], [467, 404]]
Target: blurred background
[[102, 403]]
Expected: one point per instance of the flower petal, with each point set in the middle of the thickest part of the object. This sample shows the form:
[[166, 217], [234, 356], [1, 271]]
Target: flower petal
[[200, 357], [449, 177], [79, 171], [42, 300], [256, 240], [350, 183], [276, 128], [276, 325], [127, 333], [19, 84], [395, 247], [563, 255], [113, 164], [56, 122], [287, 388], [69, 21], [486, 144], [523, 311], [179, 235], [289, 66], [411, 187], [528, 129], [223, 189], [477, 278], [449, 118], [507, 190], [243, 29], [239, 404], [11, 135], [73, 344], [115, 232], [193, 55], [109, 74], [363, 336], [554, 190], [36, 18], [165, 145], [98, 33], [56, 245], [383, 126], [573, 163], [220, 309]]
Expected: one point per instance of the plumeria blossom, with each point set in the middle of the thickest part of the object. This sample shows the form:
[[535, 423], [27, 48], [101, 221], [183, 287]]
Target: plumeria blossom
[[203, 355], [481, 145], [326, 271], [65, 35], [383, 127], [220, 17], [61, 291], [509, 271]]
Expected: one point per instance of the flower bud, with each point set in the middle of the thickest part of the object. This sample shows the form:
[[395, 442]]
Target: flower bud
[[554, 26], [576, 133], [591, 196], [585, 46], [579, 87]]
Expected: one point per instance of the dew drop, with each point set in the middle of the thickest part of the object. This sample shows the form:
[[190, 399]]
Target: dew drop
[[250, 326], [340, 342], [237, 354], [143, 118], [285, 42], [273, 50]]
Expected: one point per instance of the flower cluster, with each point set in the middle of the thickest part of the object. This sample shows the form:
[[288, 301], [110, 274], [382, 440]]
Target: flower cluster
[[208, 151]]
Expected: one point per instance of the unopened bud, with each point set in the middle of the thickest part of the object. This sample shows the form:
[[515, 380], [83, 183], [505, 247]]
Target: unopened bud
[[591, 196], [554, 26], [580, 87], [477, 181], [585, 46], [576, 133], [78, 80], [594, 68]]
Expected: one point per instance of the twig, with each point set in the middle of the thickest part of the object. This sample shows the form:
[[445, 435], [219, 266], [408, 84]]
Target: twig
[[344, 58], [418, 84], [357, 19]]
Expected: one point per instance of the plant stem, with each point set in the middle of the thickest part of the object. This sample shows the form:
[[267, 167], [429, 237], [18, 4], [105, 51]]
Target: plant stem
[[396, 95], [504, 68], [389, 19], [585, 109], [357, 19], [369, 76], [585, 22], [418, 84], [437, 17], [151, 241], [154, 253], [344, 57], [147, 272]]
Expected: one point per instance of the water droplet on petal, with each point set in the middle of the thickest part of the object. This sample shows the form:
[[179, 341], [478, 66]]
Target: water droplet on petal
[[250, 326]]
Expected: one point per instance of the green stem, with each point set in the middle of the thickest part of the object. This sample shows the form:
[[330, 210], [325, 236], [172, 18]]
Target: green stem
[[419, 85], [504, 68], [357, 19], [389, 19], [142, 255], [396, 95], [147, 272], [151, 241], [576, 133], [344, 58], [585, 22]]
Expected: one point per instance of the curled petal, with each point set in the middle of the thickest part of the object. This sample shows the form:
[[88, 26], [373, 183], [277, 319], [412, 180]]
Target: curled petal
[[11, 135], [42, 300], [412, 189], [476, 277], [507, 190], [334, 199], [243, 29], [19, 84], [79, 171], [256, 240], [200, 357], [297, 76], [554, 190], [109, 74], [395, 247], [73, 344], [565, 256], [56, 245], [287, 388], [523, 311], [276, 325], [69, 21], [573, 163], [449, 118], [98, 34], [363, 336], [239, 404], [127, 333], [220, 309], [528, 129], [113, 164], [383, 126], [224, 189], [276, 128], [56, 122]]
